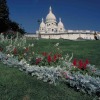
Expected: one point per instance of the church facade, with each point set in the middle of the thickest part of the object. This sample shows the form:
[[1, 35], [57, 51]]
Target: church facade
[[50, 25], [50, 28]]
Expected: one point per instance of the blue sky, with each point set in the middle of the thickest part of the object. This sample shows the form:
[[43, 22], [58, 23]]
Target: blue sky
[[75, 14]]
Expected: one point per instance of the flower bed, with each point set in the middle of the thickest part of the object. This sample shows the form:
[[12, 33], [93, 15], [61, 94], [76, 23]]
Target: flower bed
[[52, 67], [52, 75]]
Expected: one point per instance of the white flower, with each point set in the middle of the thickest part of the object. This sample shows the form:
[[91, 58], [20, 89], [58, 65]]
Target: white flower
[[32, 52], [18, 44], [8, 55], [25, 54], [32, 45], [56, 44], [62, 58], [24, 47], [29, 45], [12, 55], [58, 48]]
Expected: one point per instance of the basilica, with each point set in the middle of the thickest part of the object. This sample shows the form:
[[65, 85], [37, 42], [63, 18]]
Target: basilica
[[50, 28], [50, 25]]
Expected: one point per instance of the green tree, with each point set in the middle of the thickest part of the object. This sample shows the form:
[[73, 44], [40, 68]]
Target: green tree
[[14, 26], [7, 24], [4, 16], [14, 30], [4, 11]]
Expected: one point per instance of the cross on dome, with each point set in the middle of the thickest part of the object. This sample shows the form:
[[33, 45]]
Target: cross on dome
[[60, 23], [42, 20], [59, 19], [42, 23], [50, 15], [50, 9]]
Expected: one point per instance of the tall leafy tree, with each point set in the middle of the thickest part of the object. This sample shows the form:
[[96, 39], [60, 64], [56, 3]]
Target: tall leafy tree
[[14, 26], [4, 16], [5, 23]]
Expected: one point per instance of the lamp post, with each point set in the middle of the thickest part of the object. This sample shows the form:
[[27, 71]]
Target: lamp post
[[39, 36]]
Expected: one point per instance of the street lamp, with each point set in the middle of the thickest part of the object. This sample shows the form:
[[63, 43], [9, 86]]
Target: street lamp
[[39, 36]]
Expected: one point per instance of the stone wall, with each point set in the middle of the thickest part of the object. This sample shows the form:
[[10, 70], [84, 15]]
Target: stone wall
[[67, 36], [71, 36]]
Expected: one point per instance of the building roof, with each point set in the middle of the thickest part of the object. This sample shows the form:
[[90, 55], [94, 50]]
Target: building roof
[[50, 16]]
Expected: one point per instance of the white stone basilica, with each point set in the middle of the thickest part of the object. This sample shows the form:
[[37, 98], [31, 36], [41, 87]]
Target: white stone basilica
[[51, 25], [53, 30]]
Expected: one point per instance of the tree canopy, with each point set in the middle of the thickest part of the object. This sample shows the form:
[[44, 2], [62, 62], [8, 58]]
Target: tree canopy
[[5, 22], [4, 16]]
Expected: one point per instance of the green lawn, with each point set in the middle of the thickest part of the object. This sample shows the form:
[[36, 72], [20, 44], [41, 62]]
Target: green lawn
[[16, 85], [81, 49]]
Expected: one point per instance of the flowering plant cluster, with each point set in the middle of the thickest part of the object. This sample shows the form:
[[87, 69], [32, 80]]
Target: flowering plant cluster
[[46, 59], [84, 83], [45, 73], [51, 67], [80, 64], [52, 75]]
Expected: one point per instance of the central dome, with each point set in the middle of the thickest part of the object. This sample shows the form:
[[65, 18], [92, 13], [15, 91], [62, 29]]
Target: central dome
[[50, 16]]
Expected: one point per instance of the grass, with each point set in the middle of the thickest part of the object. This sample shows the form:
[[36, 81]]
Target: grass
[[16, 85], [81, 49]]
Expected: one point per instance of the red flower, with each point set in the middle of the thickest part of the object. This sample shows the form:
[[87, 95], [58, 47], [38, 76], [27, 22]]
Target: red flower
[[55, 58], [87, 61], [84, 66], [38, 60], [15, 51], [49, 58], [80, 64], [75, 62]]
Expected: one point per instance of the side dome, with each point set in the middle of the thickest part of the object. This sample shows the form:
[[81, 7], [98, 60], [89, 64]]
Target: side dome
[[42, 23], [60, 23], [50, 16]]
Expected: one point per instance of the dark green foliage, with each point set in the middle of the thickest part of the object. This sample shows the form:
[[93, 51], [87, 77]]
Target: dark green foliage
[[4, 16], [14, 26], [5, 23], [4, 11], [22, 31], [14, 30]]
